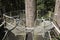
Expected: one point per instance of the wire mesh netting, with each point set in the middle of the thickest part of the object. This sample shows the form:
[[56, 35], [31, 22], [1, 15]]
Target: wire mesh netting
[[16, 21]]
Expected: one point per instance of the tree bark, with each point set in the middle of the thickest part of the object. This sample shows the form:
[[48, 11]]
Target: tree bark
[[57, 12], [30, 9], [30, 6]]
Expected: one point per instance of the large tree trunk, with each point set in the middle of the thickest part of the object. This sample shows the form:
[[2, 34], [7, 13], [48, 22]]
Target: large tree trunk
[[30, 9], [57, 12]]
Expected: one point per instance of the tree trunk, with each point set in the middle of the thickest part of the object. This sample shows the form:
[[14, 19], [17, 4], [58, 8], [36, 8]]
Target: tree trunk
[[57, 12], [30, 7]]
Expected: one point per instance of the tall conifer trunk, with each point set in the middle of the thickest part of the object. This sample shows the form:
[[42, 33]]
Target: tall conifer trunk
[[57, 12], [30, 7], [30, 10]]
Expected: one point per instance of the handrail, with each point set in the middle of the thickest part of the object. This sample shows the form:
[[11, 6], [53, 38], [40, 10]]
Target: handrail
[[7, 16], [56, 24], [2, 23]]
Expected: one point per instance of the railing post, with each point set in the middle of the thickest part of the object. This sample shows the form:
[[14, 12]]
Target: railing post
[[49, 35]]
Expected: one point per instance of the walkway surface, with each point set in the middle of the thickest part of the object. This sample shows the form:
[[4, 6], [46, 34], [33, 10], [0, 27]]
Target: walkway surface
[[41, 29]]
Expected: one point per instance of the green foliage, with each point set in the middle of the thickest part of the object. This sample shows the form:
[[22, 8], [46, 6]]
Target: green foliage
[[44, 6], [40, 4]]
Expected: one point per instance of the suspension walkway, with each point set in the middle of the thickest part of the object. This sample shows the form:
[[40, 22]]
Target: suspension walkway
[[17, 26]]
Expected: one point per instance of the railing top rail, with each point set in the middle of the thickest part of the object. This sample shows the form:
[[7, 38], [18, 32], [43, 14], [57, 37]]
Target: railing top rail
[[4, 15], [2, 23], [7, 16]]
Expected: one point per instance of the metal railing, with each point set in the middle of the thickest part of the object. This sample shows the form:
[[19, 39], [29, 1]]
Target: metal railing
[[16, 19]]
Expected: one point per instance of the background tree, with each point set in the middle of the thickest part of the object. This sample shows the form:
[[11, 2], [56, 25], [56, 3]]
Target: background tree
[[57, 12]]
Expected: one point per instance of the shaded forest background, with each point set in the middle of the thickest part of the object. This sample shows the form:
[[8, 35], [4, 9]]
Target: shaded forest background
[[44, 6]]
